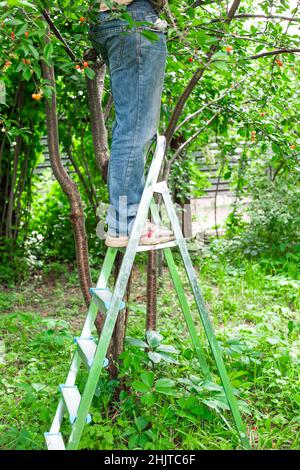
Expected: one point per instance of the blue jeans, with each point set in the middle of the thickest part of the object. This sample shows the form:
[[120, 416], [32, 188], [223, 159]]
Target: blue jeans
[[137, 68]]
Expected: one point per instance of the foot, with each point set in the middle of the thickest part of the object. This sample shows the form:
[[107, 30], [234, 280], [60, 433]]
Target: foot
[[155, 234], [116, 242], [152, 235]]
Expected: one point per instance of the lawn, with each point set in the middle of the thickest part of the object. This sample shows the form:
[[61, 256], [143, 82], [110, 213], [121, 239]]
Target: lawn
[[255, 313]]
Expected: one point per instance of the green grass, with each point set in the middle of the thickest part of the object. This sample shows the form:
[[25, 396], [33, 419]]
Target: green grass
[[256, 318]]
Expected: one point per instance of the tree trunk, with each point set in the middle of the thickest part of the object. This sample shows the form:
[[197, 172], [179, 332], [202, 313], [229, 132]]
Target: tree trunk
[[12, 192], [99, 132], [151, 291], [67, 185], [9, 173], [98, 128], [117, 342]]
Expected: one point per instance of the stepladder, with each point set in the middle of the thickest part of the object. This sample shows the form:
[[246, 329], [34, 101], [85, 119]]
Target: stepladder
[[76, 404]]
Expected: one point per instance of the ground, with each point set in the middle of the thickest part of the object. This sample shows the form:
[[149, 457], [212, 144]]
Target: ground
[[256, 318]]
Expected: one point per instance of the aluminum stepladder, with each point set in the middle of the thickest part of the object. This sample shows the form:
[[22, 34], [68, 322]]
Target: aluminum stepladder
[[93, 355]]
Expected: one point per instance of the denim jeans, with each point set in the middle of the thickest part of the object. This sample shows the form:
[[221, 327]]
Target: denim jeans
[[137, 68]]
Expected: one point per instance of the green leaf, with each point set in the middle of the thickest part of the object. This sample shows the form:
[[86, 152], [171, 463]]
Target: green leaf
[[259, 48], [201, 411], [136, 342], [34, 51], [219, 402], [153, 338], [227, 175], [140, 423], [168, 358], [148, 399], [38, 387], [48, 51], [27, 74], [108, 436], [24, 386], [243, 406], [212, 387], [133, 440], [164, 383], [212, 40], [165, 386], [148, 378], [128, 18], [14, 22], [219, 56], [167, 348], [90, 73], [154, 357], [20, 30], [273, 340], [48, 92], [150, 35], [37, 70], [20, 67], [25, 49], [220, 65], [140, 387]]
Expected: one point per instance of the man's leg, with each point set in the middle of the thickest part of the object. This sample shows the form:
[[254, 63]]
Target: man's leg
[[137, 76]]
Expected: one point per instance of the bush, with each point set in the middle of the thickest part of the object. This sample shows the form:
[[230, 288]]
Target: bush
[[274, 226], [51, 232], [13, 264]]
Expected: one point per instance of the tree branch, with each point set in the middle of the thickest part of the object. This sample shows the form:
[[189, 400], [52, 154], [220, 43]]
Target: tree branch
[[108, 107], [194, 80], [98, 128], [219, 98], [268, 53], [201, 4], [248, 15], [185, 144], [267, 17], [59, 36]]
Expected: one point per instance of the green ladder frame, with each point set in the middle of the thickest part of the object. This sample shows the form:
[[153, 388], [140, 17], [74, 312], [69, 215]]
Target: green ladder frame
[[94, 355]]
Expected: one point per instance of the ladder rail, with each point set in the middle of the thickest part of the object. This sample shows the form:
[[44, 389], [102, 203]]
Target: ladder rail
[[101, 284], [205, 318], [182, 299]]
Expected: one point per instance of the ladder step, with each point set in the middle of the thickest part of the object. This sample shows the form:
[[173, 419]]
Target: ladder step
[[71, 398], [158, 246], [102, 297], [87, 348], [54, 441]]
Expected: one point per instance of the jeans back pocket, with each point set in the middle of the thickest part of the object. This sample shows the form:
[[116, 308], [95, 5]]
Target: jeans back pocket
[[109, 43]]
